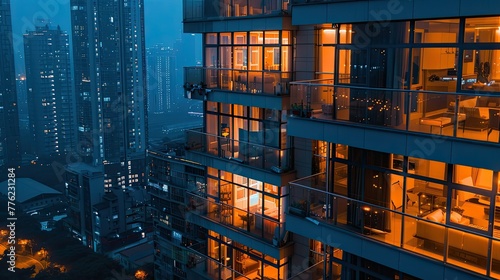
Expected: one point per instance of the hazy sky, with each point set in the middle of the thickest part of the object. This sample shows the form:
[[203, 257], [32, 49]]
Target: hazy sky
[[163, 19]]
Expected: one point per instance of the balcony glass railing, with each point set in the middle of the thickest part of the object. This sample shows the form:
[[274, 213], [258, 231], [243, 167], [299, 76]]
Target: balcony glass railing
[[255, 155], [294, 2], [206, 9], [204, 265], [458, 245], [258, 82], [259, 226], [462, 115]]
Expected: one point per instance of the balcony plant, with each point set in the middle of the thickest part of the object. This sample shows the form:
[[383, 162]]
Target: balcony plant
[[297, 109]]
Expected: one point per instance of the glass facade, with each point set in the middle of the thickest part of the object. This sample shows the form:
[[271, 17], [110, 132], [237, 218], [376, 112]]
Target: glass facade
[[430, 76], [249, 135], [443, 211], [257, 62], [421, 77], [232, 260], [198, 9]]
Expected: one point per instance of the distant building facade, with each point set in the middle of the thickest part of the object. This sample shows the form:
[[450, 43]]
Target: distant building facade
[[51, 104], [111, 98], [9, 119], [161, 78], [110, 84], [170, 179], [84, 188]]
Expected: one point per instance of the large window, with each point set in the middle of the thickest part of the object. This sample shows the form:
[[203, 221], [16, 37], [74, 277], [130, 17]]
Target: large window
[[248, 51], [255, 62], [430, 57]]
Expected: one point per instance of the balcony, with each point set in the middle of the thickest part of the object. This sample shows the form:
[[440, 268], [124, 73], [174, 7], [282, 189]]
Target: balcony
[[200, 79], [447, 115], [245, 153], [398, 234], [267, 229], [206, 9]]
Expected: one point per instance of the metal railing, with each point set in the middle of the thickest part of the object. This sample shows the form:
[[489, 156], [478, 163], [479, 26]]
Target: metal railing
[[267, 229], [206, 9], [445, 113], [251, 154], [308, 199], [248, 81]]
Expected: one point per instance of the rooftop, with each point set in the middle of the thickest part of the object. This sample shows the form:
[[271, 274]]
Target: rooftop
[[27, 189], [139, 253]]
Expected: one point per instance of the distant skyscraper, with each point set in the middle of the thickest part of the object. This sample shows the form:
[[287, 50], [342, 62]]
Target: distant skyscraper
[[24, 131], [188, 52], [9, 119], [161, 78], [50, 99], [110, 84]]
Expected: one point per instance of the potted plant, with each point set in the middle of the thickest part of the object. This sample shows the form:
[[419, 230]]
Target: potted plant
[[296, 109]]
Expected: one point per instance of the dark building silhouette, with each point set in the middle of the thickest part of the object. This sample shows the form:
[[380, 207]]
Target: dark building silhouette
[[50, 99], [9, 119]]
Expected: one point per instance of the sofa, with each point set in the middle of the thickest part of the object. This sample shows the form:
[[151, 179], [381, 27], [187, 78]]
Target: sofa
[[462, 245], [249, 265]]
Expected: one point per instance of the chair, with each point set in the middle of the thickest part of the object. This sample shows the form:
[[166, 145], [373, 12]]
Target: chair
[[473, 119], [494, 121]]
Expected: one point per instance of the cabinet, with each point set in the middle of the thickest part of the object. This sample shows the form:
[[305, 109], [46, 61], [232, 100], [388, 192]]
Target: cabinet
[[439, 58]]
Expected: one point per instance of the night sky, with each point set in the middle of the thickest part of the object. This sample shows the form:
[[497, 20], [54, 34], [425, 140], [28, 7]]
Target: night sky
[[163, 19]]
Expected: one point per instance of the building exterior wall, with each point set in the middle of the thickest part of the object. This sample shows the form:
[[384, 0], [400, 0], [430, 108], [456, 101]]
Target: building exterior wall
[[50, 98], [84, 188], [170, 180], [161, 78], [391, 154], [110, 84]]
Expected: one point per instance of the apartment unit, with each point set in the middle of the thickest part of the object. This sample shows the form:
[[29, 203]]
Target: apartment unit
[[9, 118], [51, 103], [347, 145]]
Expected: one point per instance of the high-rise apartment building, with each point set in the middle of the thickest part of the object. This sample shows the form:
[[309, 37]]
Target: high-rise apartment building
[[391, 112], [9, 119], [110, 84], [170, 177], [161, 78], [50, 99], [110, 90]]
